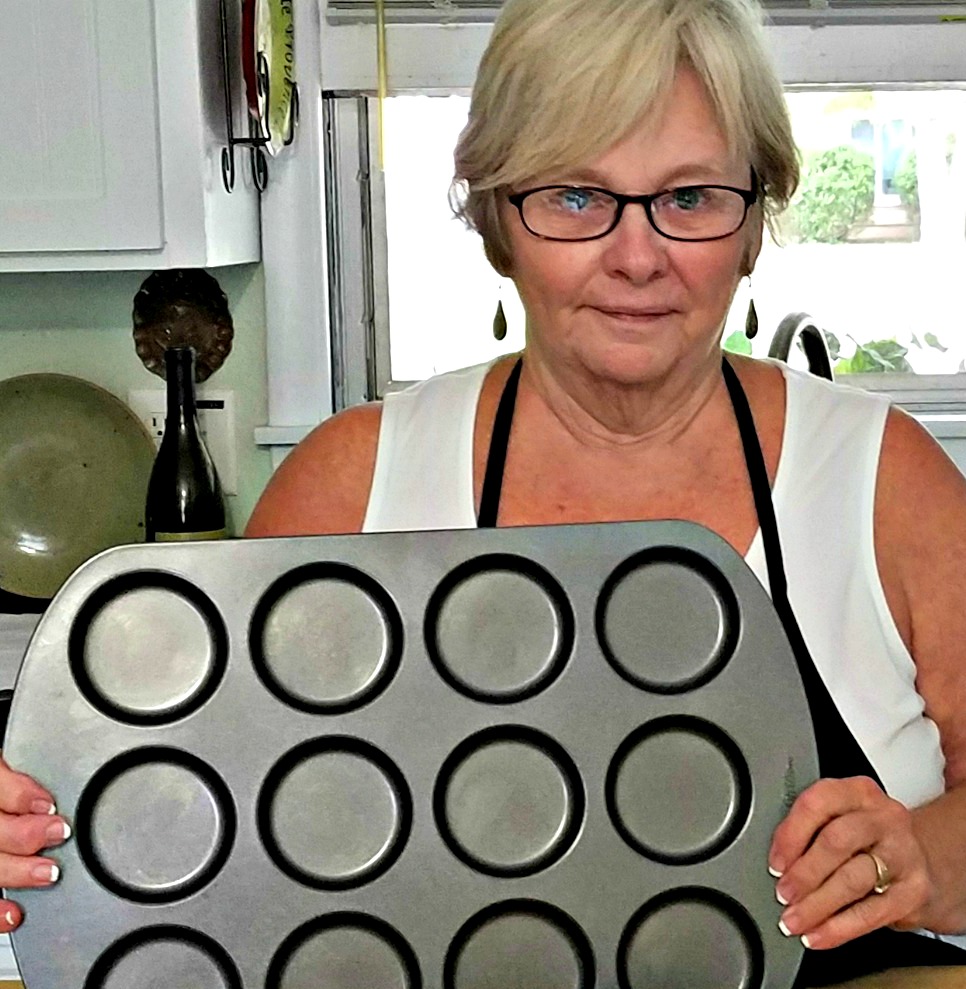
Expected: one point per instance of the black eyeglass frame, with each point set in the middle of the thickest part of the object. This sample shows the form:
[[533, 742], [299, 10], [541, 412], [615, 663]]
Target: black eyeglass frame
[[750, 197]]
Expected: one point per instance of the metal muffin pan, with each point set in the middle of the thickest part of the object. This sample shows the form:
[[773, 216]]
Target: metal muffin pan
[[533, 758]]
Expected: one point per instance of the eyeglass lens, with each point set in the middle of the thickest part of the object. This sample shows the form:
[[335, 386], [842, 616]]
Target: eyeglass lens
[[688, 213]]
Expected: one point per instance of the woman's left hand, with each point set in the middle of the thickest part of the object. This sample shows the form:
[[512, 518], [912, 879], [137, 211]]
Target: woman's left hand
[[826, 851]]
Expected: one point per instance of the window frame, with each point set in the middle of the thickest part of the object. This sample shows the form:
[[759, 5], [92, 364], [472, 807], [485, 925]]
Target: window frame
[[356, 230]]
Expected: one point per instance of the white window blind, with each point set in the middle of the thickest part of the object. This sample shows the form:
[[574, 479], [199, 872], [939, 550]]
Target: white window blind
[[779, 11], [401, 11], [435, 45]]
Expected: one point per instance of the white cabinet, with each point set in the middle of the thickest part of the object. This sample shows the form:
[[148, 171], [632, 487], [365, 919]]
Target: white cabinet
[[112, 117]]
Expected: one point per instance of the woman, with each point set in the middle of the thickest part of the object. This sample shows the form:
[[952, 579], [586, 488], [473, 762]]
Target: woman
[[622, 409]]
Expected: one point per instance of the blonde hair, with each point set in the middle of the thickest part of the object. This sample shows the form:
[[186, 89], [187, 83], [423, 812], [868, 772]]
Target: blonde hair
[[562, 81]]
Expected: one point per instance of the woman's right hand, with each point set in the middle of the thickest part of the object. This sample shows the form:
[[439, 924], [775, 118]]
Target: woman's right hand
[[28, 823]]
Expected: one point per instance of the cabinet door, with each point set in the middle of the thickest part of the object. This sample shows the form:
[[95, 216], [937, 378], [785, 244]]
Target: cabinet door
[[80, 166]]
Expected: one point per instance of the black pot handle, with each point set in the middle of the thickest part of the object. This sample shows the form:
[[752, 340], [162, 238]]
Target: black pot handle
[[800, 325]]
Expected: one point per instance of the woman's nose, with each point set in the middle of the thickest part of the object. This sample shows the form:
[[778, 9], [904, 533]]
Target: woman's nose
[[635, 250]]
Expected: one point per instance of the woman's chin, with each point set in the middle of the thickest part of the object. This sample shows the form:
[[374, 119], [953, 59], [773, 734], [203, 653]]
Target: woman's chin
[[631, 364]]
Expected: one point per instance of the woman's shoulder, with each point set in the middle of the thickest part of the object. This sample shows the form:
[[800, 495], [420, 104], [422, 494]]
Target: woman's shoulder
[[776, 377], [919, 482], [322, 486], [809, 407]]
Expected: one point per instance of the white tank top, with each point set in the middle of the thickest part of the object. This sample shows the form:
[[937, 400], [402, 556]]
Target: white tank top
[[824, 495]]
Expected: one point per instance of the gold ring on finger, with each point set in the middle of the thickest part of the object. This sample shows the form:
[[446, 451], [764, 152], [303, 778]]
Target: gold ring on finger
[[883, 877]]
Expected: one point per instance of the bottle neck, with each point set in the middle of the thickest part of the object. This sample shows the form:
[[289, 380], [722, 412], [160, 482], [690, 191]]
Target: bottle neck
[[179, 372]]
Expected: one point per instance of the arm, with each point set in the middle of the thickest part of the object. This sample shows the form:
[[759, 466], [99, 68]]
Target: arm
[[920, 540], [924, 538], [322, 486]]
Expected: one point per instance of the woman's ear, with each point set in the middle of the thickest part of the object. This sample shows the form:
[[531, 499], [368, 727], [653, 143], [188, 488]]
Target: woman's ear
[[502, 266], [756, 228]]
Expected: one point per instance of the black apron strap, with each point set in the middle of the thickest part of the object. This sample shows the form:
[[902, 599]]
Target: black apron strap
[[496, 458], [760, 487], [838, 752]]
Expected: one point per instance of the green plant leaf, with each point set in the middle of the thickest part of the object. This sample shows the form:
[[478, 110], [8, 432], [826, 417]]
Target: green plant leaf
[[834, 345], [737, 343], [878, 357], [933, 342], [836, 192], [906, 182]]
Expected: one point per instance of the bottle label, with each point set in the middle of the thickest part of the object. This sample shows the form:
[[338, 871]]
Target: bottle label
[[185, 537]]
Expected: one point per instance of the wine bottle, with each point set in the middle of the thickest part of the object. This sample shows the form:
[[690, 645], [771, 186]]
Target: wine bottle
[[184, 494]]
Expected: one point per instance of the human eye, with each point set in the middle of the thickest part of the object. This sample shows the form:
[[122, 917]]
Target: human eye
[[698, 212], [688, 199], [576, 201]]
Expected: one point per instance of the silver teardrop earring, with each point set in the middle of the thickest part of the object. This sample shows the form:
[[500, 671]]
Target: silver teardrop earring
[[751, 320], [499, 321]]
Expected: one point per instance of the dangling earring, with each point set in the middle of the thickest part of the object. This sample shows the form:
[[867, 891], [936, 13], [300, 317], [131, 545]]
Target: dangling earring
[[499, 321], [751, 320]]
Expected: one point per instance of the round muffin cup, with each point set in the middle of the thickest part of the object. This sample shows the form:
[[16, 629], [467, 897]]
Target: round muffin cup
[[499, 629], [148, 649], [155, 825], [326, 639], [667, 620]]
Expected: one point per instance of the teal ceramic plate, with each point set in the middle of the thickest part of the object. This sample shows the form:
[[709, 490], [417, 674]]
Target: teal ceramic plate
[[74, 469]]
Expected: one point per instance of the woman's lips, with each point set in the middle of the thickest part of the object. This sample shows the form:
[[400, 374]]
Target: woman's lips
[[636, 315]]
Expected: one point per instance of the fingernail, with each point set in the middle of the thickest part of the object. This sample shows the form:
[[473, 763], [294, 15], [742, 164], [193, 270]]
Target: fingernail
[[806, 941], [46, 873], [58, 832], [42, 807], [9, 919], [775, 873], [784, 929], [781, 899]]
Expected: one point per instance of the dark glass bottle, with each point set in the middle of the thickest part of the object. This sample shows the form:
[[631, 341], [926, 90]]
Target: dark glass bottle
[[184, 494]]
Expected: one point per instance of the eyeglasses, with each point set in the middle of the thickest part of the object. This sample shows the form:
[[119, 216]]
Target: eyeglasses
[[689, 212]]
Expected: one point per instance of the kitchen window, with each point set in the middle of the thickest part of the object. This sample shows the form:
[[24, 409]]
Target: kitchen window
[[878, 264]]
